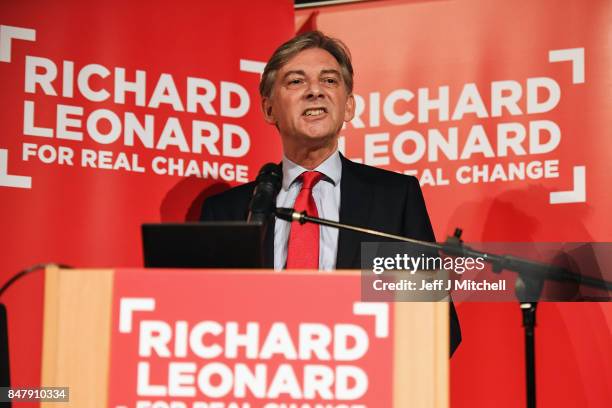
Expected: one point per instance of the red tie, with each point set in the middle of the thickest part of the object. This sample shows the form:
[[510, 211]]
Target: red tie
[[303, 246]]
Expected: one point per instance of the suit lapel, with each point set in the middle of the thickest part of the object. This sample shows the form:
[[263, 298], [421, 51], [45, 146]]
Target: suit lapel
[[355, 203]]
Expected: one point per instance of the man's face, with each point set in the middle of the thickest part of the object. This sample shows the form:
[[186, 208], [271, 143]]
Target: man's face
[[309, 101]]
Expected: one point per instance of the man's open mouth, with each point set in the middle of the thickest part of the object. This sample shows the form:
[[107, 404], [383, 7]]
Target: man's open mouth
[[314, 111]]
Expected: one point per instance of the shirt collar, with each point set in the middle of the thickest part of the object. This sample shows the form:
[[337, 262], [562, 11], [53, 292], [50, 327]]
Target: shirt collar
[[331, 169]]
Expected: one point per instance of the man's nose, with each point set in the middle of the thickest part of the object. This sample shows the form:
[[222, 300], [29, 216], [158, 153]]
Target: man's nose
[[314, 90]]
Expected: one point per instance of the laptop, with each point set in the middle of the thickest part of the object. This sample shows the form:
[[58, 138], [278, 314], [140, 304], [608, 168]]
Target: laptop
[[231, 244]]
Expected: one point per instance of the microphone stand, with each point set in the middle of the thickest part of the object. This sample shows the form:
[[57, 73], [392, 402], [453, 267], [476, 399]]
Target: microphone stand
[[528, 286]]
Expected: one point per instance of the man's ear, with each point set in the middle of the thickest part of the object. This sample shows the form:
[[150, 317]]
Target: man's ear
[[266, 107], [349, 109]]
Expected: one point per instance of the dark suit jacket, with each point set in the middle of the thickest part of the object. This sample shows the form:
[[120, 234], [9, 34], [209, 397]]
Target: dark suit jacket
[[369, 197]]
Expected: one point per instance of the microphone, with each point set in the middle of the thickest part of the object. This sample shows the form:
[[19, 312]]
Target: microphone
[[268, 185], [288, 214]]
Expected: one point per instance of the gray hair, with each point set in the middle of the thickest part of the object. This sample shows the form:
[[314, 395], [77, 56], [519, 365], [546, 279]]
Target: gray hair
[[312, 39]]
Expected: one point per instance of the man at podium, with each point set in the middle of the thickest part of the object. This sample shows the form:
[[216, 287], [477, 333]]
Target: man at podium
[[307, 94]]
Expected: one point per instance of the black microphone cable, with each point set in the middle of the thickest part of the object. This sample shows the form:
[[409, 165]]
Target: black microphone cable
[[29, 270]]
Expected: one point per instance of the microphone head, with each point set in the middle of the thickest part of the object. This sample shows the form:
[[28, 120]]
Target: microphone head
[[271, 172], [268, 184], [284, 213]]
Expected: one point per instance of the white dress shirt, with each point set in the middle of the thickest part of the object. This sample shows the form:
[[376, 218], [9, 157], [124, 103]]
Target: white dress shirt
[[326, 194]]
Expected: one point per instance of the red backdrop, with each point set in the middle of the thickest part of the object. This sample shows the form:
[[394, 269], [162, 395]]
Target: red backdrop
[[491, 57], [90, 217], [448, 85]]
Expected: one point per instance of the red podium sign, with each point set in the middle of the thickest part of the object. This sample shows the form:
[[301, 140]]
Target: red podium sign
[[243, 339]]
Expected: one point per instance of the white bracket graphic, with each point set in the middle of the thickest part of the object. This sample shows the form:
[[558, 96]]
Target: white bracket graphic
[[576, 56], [9, 33], [380, 311], [127, 306], [255, 67], [9, 180], [577, 195]]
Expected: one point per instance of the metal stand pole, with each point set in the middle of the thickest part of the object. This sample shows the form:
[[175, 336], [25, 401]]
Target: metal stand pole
[[529, 323]]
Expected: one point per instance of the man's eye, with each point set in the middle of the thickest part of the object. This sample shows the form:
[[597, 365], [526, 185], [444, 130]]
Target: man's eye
[[330, 81], [295, 81]]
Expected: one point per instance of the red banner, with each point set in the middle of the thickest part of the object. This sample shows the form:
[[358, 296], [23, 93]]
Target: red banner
[[114, 114], [501, 109]]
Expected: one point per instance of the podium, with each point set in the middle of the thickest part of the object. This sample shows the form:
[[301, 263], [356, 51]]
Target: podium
[[238, 338]]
